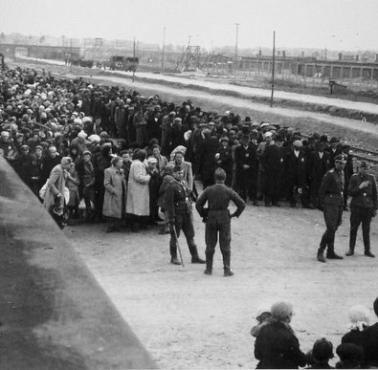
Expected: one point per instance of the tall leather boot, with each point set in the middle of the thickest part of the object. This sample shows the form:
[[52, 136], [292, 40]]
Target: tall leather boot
[[227, 264], [366, 238], [194, 252], [352, 242], [209, 264], [331, 255], [322, 247], [351, 250]]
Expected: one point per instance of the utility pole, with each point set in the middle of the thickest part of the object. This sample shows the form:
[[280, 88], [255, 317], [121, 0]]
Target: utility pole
[[163, 51], [236, 40], [134, 60], [71, 54], [273, 67]]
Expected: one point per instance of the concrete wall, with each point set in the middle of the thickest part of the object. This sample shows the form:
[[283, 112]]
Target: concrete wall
[[53, 313]]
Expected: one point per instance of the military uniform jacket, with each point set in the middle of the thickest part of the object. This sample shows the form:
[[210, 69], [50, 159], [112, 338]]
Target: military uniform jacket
[[331, 188], [218, 197], [366, 197], [177, 200]]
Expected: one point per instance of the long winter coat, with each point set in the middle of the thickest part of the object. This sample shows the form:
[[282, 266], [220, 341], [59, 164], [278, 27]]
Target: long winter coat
[[56, 185], [138, 196], [114, 196]]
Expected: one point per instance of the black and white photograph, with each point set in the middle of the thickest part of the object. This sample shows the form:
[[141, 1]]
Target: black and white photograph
[[188, 184]]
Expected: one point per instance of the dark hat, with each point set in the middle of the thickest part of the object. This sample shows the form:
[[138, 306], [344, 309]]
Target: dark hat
[[322, 350], [38, 147], [224, 138]]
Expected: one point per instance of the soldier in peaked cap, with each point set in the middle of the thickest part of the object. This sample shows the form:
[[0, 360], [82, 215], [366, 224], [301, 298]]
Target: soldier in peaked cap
[[331, 198], [178, 206], [363, 207]]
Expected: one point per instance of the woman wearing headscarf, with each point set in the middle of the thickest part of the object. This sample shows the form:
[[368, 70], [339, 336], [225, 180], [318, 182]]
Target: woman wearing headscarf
[[53, 199], [114, 197], [276, 346]]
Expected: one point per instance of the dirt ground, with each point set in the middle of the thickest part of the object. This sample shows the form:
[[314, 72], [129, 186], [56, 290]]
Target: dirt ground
[[189, 320]]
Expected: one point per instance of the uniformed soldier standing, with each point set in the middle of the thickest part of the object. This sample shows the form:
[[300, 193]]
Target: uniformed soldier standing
[[331, 198], [363, 207], [179, 211], [217, 217]]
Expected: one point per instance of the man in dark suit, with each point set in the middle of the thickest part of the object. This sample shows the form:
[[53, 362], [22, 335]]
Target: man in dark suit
[[295, 173], [363, 207], [331, 198], [224, 159], [246, 169], [272, 161], [334, 150]]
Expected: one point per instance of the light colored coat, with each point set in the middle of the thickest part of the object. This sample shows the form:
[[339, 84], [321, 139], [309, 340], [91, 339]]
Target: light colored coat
[[115, 186], [55, 185], [138, 195]]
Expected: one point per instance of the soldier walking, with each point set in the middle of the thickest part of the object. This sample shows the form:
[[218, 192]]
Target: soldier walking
[[363, 207], [331, 198], [179, 211], [218, 219]]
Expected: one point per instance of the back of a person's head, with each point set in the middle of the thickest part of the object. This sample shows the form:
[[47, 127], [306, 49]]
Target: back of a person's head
[[282, 311], [220, 175], [322, 350], [350, 354], [140, 155], [375, 305], [169, 169]]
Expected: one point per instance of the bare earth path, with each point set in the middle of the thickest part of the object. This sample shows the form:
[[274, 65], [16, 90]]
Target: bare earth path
[[189, 320]]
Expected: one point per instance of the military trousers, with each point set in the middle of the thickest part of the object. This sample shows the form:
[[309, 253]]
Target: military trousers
[[332, 217], [184, 222], [218, 223], [360, 215]]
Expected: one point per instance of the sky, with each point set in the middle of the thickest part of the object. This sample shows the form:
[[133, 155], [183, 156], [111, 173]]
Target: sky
[[332, 24]]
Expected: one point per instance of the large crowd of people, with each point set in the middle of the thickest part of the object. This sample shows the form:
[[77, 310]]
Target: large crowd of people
[[100, 153], [277, 347], [44, 119]]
